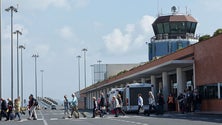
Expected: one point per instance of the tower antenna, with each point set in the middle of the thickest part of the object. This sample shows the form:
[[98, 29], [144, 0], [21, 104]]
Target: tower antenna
[[158, 11]]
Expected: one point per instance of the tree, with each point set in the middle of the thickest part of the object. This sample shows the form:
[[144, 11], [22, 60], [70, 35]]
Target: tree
[[217, 32], [204, 37]]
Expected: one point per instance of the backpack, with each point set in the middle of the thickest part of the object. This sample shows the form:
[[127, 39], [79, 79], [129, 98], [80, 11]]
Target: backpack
[[36, 103]]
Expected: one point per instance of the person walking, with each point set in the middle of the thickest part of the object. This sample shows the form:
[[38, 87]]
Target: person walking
[[3, 109], [74, 106], [66, 107], [120, 109], [116, 106], [152, 102], [10, 110], [102, 107], [17, 109], [95, 107], [32, 104], [140, 103]]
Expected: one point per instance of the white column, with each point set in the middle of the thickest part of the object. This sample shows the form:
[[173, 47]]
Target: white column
[[179, 81], [153, 82], [165, 85]]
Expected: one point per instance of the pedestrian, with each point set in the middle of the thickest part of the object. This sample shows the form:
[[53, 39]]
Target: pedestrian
[[10, 115], [102, 107], [95, 107], [115, 105], [33, 105], [160, 103], [3, 109], [140, 103], [74, 106], [197, 100], [17, 109], [120, 109], [152, 102], [170, 102], [181, 99], [66, 107]]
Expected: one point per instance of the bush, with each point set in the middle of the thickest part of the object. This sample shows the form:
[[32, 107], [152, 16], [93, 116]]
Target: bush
[[217, 32], [204, 37]]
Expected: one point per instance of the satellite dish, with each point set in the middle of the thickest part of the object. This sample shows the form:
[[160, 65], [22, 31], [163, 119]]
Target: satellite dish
[[173, 9]]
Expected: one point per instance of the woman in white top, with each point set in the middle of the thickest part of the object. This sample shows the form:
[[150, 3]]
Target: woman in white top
[[152, 103]]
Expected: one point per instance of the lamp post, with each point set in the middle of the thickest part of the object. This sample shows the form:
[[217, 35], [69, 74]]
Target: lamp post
[[92, 71], [21, 47], [84, 50], [147, 50], [99, 61], [35, 56], [42, 71], [78, 57], [12, 9], [0, 49], [17, 32]]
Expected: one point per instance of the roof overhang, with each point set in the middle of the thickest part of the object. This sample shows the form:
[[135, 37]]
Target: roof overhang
[[164, 67]]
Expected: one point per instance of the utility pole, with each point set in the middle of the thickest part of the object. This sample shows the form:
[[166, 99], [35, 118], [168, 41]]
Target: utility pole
[[35, 56], [21, 47], [11, 9], [84, 50], [17, 32], [78, 57]]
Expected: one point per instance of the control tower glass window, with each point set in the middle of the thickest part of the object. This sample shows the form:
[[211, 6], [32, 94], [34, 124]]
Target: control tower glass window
[[178, 27], [188, 27], [160, 28], [166, 28], [193, 27]]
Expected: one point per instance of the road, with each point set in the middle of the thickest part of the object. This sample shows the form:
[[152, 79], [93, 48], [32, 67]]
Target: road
[[54, 117]]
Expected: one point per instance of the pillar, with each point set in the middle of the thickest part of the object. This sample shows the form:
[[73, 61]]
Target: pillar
[[179, 81], [165, 88], [153, 82]]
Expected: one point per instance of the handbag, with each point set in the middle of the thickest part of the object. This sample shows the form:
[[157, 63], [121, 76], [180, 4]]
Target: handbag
[[141, 109]]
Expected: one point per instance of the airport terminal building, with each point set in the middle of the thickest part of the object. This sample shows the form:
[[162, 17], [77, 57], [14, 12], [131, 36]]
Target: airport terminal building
[[193, 65]]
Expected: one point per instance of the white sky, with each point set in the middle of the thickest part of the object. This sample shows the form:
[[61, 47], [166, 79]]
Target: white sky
[[114, 31]]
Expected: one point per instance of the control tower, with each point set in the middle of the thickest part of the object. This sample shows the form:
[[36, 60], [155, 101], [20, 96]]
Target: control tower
[[172, 32]]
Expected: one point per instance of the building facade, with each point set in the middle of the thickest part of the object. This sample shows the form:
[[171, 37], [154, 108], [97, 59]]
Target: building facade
[[196, 66], [177, 62]]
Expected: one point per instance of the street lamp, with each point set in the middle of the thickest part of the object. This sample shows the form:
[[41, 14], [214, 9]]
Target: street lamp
[[99, 61], [21, 47], [17, 32], [84, 50], [12, 9], [35, 56], [92, 71], [42, 82], [147, 50], [78, 57], [0, 49]]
